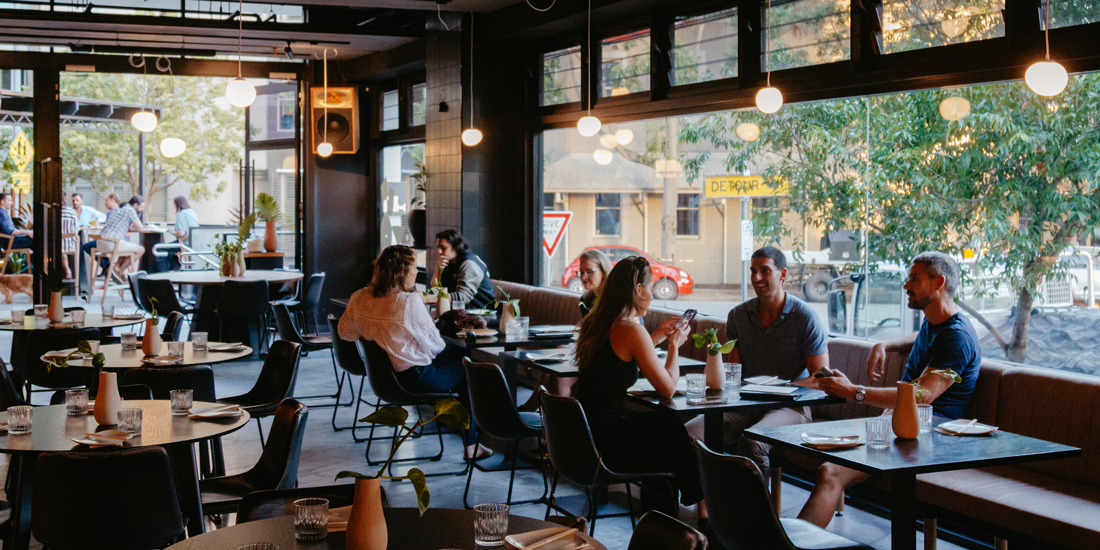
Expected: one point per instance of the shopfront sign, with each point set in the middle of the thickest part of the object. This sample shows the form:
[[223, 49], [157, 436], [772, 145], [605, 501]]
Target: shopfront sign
[[734, 187], [746, 240], [20, 154], [554, 224]]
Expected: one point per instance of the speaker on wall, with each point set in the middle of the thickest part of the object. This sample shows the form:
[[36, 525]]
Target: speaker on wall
[[342, 120]]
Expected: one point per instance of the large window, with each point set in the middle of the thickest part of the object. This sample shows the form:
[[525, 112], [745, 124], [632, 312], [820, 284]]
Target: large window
[[1077, 12], [419, 111], [705, 48], [561, 77], [915, 24], [401, 191], [687, 214], [391, 118], [806, 32], [624, 66]]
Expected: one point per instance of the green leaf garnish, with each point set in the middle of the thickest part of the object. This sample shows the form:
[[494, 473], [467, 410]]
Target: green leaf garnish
[[420, 485]]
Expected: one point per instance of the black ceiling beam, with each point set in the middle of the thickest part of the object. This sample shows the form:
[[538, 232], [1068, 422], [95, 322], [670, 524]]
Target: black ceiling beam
[[121, 64]]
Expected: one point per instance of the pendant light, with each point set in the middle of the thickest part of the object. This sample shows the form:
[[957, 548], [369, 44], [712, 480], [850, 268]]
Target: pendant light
[[172, 147], [325, 148], [239, 91], [472, 136], [589, 126], [768, 99], [143, 121], [1046, 77]]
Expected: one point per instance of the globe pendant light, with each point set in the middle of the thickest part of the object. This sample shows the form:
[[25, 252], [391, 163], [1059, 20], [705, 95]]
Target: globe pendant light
[[1046, 78], [748, 131], [144, 121], [768, 99], [172, 147], [602, 156], [624, 136], [239, 91], [325, 148], [954, 108], [589, 126], [471, 136]]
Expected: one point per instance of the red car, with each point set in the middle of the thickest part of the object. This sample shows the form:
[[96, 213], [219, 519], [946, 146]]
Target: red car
[[668, 281]]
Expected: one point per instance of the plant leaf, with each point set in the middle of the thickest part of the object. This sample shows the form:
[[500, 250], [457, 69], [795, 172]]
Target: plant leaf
[[99, 360], [452, 414], [515, 307], [728, 346], [420, 484], [348, 473], [84, 347], [388, 416]]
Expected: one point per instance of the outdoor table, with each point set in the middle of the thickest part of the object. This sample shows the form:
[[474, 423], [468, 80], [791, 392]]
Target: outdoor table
[[51, 432], [116, 359], [903, 459], [439, 528]]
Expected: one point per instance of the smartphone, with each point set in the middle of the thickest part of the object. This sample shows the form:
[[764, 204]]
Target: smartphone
[[686, 317]]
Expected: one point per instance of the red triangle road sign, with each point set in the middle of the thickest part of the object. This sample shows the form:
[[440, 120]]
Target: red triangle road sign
[[554, 224]]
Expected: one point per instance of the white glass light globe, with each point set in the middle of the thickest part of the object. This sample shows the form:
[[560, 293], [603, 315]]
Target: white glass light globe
[[624, 136], [954, 108], [1046, 78], [609, 141], [144, 121], [748, 131], [240, 92], [602, 156], [471, 137], [769, 100], [588, 126], [172, 147], [324, 149]]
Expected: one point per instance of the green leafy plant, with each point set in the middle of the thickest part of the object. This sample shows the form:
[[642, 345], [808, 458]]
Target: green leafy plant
[[709, 339], [419, 179], [153, 314], [437, 289], [245, 228], [98, 360], [514, 302], [448, 412], [943, 374], [267, 208]]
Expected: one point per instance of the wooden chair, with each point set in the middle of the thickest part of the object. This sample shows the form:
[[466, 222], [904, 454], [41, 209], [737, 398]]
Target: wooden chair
[[75, 261], [8, 250], [113, 259]]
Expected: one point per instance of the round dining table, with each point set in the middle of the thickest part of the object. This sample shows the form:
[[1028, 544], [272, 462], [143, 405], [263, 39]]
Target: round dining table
[[211, 277], [53, 431], [91, 320], [117, 359], [439, 528]]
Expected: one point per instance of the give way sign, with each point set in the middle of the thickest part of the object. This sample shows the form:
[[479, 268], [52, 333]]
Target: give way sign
[[553, 229]]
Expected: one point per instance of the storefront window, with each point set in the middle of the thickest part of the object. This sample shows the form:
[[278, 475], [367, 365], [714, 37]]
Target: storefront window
[[401, 192], [561, 77], [806, 32], [705, 48], [624, 67], [390, 111]]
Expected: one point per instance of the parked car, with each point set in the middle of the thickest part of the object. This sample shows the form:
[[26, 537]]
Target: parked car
[[668, 281]]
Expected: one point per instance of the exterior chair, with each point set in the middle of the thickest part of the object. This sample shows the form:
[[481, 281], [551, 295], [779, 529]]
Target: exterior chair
[[113, 258], [348, 357], [288, 332], [272, 504], [71, 257], [657, 531], [242, 304], [8, 240], [275, 383]]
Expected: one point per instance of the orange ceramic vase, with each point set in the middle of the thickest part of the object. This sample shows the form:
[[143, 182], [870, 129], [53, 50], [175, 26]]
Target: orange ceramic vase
[[367, 524], [906, 422]]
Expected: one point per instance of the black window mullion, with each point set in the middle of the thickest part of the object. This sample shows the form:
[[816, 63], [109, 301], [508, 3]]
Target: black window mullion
[[750, 42]]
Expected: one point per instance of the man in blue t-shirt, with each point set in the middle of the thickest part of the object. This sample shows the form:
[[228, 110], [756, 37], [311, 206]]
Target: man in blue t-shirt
[[946, 340], [24, 238]]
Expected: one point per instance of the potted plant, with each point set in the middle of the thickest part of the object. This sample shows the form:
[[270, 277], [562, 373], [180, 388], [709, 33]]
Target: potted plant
[[107, 400], [150, 342], [267, 209], [714, 371], [442, 297], [509, 312], [367, 526], [231, 253], [418, 206]]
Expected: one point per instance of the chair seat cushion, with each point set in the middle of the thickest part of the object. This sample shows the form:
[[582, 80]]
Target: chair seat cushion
[[317, 340], [807, 536], [531, 420], [1053, 509], [222, 494]]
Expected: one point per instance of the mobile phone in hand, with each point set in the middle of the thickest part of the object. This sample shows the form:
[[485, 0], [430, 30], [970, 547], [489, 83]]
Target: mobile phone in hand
[[686, 317]]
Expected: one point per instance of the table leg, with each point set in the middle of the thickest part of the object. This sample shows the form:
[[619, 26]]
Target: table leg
[[19, 496], [712, 431], [903, 513], [187, 486]]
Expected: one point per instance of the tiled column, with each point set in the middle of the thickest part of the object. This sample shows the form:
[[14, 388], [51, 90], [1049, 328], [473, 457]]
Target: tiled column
[[443, 151]]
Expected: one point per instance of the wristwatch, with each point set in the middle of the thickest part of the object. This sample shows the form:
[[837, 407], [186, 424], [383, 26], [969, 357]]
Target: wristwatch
[[861, 394]]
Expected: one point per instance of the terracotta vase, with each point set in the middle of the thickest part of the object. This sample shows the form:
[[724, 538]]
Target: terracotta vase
[[150, 342], [57, 311], [367, 524], [107, 400], [715, 371], [271, 239], [905, 421], [442, 305], [506, 316]]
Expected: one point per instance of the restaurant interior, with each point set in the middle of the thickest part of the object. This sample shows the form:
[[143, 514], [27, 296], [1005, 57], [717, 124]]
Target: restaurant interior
[[797, 197]]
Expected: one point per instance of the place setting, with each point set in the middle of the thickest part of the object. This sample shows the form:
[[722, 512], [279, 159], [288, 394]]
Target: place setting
[[831, 442], [964, 427]]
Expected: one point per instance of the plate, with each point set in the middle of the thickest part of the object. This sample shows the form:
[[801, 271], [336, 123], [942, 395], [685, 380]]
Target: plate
[[66, 324], [98, 442], [479, 311], [61, 354], [483, 332], [221, 411], [826, 442], [226, 347], [523, 540], [952, 427], [128, 316], [161, 360], [116, 434]]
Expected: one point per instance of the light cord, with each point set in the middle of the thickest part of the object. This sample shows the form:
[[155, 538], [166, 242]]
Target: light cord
[[767, 48], [1046, 27], [240, 31], [588, 99], [541, 9], [324, 101], [471, 69], [439, 14]]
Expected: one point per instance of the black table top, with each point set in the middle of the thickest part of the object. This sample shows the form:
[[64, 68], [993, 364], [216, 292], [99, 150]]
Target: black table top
[[565, 369], [439, 528], [501, 341], [931, 452], [804, 397], [91, 320]]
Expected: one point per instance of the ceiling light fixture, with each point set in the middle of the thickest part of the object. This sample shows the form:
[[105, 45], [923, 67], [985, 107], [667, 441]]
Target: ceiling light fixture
[[588, 126], [472, 136], [748, 131], [325, 148], [172, 147], [143, 121], [1046, 77], [768, 99], [602, 156], [624, 136], [954, 108], [240, 92]]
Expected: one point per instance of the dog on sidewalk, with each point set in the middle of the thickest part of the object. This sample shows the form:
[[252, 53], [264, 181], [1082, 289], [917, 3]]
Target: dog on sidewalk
[[10, 285]]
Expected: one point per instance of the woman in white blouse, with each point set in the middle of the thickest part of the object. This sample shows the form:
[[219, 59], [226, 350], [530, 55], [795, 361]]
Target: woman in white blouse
[[390, 313]]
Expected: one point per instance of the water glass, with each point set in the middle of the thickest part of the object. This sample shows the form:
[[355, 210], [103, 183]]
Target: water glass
[[925, 414], [129, 421], [41, 311], [310, 518], [108, 312], [18, 316], [175, 349], [696, 385], [524, 325], [76, 402], [94, 346], [512, 331], [198, 341], [733, 375], [181, 401], [878, 432], [458, 305], [78, 317], [129, 341], [20, 418], [490, 524]]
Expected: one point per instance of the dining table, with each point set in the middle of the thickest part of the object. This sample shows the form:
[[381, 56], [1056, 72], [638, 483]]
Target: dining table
[[91, 320], [499, 340], [53, 431], [209, 283], [117, 359]]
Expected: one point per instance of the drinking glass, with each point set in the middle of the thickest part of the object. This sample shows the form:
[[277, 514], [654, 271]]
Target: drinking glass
[[41, 311], [18, 316], [878, 432], [181, 401], [198, 341], [458, 305], [20, 418], [733, 375], [108, 312], [129, 341], [512, 331], [175, 349], [78, 317], [129, 420], [490, 524], [524, 325], [94, 346], [925, 414], [310, 518], [696, 385], [76, 401]]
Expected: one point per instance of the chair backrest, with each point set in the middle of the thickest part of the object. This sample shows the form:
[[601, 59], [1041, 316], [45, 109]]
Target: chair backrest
[[284, 324], [285, 290], [259, 505], [278, 375], [346, 353], [243, 299], [173, 327], [41, 341], [383, 381], [491, 403], [163, 291], [740, 507], [162, 380], [132, 485], [140, 301], [311, 298], [658, 531], [10, 396], [569, 442], [278, 465]]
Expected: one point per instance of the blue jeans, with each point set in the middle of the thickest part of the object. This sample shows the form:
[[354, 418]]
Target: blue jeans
[[445, 374]]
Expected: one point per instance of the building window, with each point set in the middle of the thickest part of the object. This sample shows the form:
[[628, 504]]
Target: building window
[[705, 48], [687, 214], [624, 65], [806, 32], [607, 214], [390, 110], [561, 77], [419, 111], [285, 107]]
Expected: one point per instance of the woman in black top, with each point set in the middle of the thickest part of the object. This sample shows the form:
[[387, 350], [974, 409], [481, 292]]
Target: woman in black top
[[611, 349]]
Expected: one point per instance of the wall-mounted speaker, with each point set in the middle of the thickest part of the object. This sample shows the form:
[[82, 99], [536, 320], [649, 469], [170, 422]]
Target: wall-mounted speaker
[[343, 118]]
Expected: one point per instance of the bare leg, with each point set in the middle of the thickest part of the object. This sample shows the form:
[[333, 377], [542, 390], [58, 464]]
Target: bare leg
[[703, 510], [831, 482]]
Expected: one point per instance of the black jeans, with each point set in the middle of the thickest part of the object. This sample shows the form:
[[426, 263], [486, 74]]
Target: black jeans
[[445, 374]]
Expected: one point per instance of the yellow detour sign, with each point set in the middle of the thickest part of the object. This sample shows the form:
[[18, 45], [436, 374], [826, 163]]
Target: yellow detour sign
[[729, 187], [20, 154]]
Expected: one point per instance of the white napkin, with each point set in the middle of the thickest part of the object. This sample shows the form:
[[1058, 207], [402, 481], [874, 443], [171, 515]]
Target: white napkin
[[99, 442], [965, 427]]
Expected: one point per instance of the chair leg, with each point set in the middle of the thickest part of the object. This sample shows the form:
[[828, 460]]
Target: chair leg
[[219, 456], [930, 533], [777, 488], [550, 501], [630, 505], [261, 428], [512, 476], [840, 506], [339, 388], [470, 477]]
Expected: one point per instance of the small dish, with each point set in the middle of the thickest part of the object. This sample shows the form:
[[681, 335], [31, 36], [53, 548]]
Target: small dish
[[571, 541], [128, 316], [483, 332], [61, 354], [160, 360], [955, 426], [826, 442], [232, 346], [98, 442]]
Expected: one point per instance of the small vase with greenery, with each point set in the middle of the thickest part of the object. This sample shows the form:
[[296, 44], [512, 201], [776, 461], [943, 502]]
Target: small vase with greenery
[[509, 312], [267, 208], [716, 375]]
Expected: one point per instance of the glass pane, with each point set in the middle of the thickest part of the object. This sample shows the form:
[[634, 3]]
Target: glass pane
[[687, 214], [807, 32], [1074, 12], [271, 116], [705, 48], [419, 105], [402, 171], [916, 24], [625, 64], [390, 116], [561, 77], [273, 173]]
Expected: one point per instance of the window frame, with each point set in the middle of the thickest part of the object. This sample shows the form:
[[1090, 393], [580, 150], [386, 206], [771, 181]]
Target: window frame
[[698, 209], [714, 9], [596, 215]]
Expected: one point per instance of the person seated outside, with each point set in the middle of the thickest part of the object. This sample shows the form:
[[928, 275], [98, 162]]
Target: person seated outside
[[120, 221], [111, 201], [389, 312], [68, 225], [777, 335], [946, 340], [611, 349], [462, 272], [86, 216], [592, 268], [23, 237], [185, 220]]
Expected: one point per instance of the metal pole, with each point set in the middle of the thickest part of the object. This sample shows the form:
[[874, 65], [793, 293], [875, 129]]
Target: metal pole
[[725, 241], [744, 264], [141, 170]]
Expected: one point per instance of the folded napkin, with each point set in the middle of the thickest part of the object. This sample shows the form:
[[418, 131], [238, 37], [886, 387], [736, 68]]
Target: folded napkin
[[549, 357], [338, 519], [965, 427], [93, 441], [216, 412]]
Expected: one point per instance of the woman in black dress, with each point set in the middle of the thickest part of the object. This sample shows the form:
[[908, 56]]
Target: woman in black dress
[[611, 350]]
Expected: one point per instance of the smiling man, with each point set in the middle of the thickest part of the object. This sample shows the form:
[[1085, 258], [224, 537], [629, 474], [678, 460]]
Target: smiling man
[[777, 335]]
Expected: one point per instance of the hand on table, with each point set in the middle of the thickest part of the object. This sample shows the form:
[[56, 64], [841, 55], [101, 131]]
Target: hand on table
[[839, 385]]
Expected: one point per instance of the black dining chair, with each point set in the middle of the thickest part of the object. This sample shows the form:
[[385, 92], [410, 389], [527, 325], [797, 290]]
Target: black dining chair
[[173, 327], [10, 395], [741, 511], [495, 414], [350, 360], [277, 467], [134, 486], [574, 456], [273, 504], [35, 372], [659, 531], [306, 308], [165, 294], [242, 305], [288, 332], [275, 383], [140, 301]]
